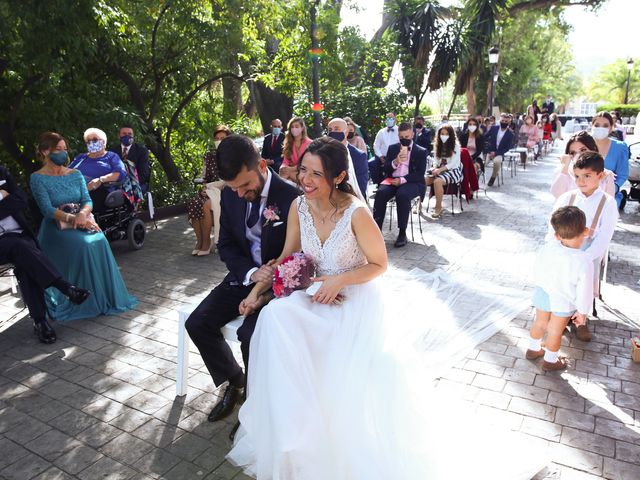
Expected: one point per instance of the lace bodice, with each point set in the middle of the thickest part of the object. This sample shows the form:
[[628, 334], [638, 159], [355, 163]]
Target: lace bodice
[[340, 252]]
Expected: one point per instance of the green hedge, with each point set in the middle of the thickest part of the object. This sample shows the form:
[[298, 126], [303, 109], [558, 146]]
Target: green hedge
[[626, 110]]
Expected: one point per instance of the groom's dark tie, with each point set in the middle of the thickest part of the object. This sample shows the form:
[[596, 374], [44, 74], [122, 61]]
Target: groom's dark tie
[[254, 214]]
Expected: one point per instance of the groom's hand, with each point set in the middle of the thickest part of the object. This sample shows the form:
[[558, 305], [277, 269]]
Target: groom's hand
[[263, 274]]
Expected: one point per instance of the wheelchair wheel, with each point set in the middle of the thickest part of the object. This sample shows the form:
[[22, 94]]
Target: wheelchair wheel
[[136, 231]]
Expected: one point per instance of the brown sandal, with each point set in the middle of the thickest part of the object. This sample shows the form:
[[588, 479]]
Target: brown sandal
[[534, 354], [560, 364]]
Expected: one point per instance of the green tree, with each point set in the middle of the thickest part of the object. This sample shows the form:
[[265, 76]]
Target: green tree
[[609, 84]]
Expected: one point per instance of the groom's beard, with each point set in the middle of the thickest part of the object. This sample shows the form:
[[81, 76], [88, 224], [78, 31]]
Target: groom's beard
[[251, 195]]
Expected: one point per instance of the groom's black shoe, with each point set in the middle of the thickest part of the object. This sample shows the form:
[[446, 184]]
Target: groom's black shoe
[[401, 241], [44, 331], [77, 295], [234, 430], [224, 407]]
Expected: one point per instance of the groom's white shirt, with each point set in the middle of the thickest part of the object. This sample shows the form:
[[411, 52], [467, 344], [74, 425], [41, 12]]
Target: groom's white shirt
[[253, 234]]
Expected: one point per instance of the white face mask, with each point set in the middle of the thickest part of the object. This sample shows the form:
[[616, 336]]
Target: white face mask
[[472, 128], [296, 131], [599, 133], [444, 138], [217, 143]]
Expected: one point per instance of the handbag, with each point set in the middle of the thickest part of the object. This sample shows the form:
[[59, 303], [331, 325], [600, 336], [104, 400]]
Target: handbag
[[71, 208]]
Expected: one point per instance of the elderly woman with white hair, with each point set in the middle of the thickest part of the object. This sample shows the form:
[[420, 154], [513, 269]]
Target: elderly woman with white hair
[[98, 166]]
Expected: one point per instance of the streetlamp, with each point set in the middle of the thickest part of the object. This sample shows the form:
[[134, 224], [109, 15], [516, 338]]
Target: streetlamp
[[494, 54], [629, 68], [315, 58]]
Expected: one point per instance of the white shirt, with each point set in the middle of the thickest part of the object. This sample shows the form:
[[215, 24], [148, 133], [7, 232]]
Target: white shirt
[[453, 161], [384, 138], [254, 233], [599, 243], [499, 136], [8, 223], [566, 275], [124, 149]]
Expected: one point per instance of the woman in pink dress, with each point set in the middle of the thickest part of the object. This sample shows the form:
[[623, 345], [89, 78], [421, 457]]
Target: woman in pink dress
[[296, 142]]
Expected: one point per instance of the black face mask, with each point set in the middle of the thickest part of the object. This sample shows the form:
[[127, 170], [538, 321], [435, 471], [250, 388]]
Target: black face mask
[[405, 142], [350, 135], [337, 135], [419, 126], [503, 125]]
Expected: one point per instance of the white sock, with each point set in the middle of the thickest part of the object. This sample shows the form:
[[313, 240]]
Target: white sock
[[550, 357], [534, 344]]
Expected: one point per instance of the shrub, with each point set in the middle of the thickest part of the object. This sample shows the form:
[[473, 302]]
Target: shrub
[[626, 110]]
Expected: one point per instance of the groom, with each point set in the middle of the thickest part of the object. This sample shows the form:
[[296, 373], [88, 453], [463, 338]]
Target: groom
[[248, 241]]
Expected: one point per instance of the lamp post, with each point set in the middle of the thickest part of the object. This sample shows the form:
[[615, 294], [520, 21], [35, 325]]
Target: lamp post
[[315, 59], [629, 68], [494, 54]]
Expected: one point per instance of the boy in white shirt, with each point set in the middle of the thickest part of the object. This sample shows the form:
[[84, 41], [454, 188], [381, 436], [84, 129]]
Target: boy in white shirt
[[601, 212], [565, 294]]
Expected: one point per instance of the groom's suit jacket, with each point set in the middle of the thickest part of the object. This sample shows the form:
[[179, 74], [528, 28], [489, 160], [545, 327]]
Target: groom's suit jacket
[[16, 203], [233, 245]]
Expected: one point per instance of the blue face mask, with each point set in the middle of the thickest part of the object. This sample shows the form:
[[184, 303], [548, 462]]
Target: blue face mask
[[276, 131], [337, 135], [391, 122], [126, 140], [95, 146], [59, 158]]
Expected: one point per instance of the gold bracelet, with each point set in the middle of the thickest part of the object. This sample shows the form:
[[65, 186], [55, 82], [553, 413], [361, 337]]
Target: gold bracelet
[[67, 218]]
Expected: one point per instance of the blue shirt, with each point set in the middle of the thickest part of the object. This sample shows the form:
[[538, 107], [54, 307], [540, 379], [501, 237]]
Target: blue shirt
[[97, 167], [617, 160]]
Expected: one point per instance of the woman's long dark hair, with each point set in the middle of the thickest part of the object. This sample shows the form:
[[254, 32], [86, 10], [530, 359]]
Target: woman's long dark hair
[[584, 138], [445, 150]]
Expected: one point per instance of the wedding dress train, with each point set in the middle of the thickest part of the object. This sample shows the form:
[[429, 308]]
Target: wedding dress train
[[347, 392]]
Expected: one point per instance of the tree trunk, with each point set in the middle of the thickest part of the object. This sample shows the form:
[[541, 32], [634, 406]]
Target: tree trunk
[[471, 100], [162, 153], [232, 93], [271, 104]]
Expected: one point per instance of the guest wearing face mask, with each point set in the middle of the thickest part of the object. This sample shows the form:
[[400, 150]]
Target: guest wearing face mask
[[473, 140], [136, 153], [422, 134], [295, 144], [448, 168], [500, 142], [385, 137], [71, 239], [615, 152], [272, 145], [98, 167], [353, 138], [358, 169], [203, 210]]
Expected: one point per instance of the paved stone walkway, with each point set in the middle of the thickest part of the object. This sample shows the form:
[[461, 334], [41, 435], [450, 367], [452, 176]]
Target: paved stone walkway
[[100, 403]]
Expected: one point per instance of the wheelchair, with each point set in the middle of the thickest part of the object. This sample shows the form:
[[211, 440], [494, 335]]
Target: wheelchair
[[117, 218], [633, 193]]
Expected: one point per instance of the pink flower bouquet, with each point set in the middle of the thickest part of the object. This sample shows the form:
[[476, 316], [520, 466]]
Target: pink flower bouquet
[[294, 273]]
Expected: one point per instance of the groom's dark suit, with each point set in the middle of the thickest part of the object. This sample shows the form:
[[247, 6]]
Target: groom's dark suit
[[221, 305]]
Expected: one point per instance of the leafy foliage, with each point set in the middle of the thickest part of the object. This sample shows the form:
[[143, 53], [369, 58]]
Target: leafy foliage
[[610, 82]]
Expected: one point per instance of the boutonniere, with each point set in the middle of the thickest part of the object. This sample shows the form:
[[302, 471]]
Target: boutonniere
[[271, 214]]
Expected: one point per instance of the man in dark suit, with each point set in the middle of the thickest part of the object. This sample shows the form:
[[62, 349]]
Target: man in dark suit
[[501, 140], [404, 167], [135, 153], [338, 129], [422, 134], [34, 271], [272, 145], [247, 243]]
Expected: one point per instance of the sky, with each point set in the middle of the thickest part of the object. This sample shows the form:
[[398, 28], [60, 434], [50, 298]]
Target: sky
[[597, 38]]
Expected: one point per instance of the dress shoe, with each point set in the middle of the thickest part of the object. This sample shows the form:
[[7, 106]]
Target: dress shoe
[[582, 333], [492, 180], [195, 251], [559, 364], [234, 430], [77, 295], [44, 331], [401, 241], [224, 407], [534, 355]]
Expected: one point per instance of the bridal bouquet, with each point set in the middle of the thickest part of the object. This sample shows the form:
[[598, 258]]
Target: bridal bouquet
[[294, 273]]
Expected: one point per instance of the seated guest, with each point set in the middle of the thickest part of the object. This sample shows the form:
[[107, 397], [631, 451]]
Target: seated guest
[[137, 154], [404, 169], [448, 168], [272, 145], [207, 201], [386, 136], [358, 166], [71, 239], [295, 144], [98, 167], [353, 137], [422, 134], [18, 246], [529, 133], [500, 142], [473, 140]]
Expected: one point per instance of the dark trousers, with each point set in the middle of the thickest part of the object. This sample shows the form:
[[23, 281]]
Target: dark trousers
[[33, 270], [204, 324], [404, 194], [98, 197], [376, 170]]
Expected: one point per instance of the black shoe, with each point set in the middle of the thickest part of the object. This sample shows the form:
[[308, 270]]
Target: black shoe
[[224, 407], [234, 430], [44, 331], [77, 295], [401, 241], [492, 180]]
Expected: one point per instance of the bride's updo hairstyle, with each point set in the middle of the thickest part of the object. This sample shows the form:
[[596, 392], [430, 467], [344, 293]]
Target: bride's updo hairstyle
[[335, 160]]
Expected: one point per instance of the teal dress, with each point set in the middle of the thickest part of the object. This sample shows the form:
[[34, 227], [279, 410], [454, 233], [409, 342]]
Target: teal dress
[[82, 258]]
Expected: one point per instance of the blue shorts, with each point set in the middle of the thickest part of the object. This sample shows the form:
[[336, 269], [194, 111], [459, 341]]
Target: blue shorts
[[541, 302]]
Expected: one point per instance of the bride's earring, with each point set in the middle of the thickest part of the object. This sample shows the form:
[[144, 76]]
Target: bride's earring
[[336, 185]]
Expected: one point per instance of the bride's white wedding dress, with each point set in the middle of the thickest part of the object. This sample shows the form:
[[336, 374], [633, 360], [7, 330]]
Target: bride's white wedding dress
[[346, 392]]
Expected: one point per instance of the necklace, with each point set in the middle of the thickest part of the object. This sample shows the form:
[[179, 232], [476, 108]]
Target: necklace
[[317, 213]]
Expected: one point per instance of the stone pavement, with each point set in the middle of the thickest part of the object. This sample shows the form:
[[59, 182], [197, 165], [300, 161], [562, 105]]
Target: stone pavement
[[100, 403]]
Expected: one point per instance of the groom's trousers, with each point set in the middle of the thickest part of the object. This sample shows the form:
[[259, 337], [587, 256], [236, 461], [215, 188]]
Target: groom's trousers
[[204, 325]]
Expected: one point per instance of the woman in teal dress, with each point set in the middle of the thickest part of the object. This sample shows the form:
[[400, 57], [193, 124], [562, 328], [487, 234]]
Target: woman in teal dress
[[615, 152], [81, 253]]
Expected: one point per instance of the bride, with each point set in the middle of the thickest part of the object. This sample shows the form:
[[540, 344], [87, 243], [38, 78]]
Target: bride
[[332, 392]]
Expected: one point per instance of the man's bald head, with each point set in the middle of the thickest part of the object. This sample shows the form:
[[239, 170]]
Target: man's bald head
[[339, 125]]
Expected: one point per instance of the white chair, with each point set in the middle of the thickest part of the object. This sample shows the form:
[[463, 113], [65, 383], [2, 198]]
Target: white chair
[[229, 331], [7, 271]]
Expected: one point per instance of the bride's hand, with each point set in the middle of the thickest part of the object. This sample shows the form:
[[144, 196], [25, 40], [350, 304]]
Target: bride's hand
[[330, 289]]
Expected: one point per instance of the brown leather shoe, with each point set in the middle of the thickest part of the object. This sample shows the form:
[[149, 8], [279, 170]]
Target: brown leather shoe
[[560, 364], [534, 355], [582, 333]]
